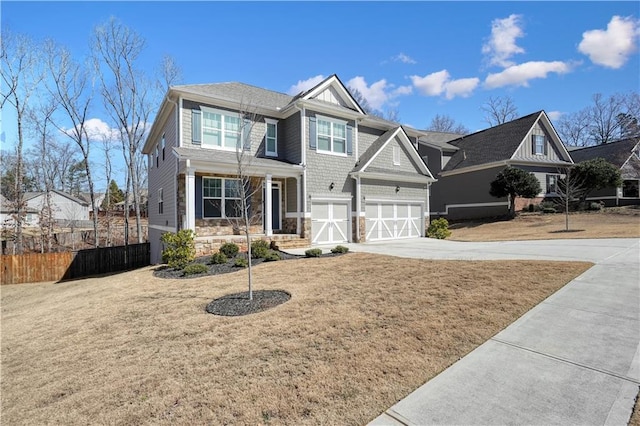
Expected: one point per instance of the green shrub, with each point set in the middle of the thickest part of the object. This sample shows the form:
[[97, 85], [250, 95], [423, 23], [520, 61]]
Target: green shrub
[[259, 249], [229, 249], [340, 249], [241, 262], [179, 248], [195, 268], [595, 206], [218, 258], [272, 256], [439, 228], [314, 252]]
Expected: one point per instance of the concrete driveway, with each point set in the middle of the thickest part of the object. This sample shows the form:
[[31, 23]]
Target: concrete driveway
[[572, 360]]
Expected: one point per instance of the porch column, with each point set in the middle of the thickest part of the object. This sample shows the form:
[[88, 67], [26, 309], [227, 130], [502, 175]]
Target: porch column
[[268, 226], [190, 199], [298, 205]]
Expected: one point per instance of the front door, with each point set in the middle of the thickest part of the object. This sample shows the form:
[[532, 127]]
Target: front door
[[276, 201]]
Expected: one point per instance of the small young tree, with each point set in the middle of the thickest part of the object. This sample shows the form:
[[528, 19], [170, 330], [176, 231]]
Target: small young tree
[[596, 174], [512, 182], [569, 188]]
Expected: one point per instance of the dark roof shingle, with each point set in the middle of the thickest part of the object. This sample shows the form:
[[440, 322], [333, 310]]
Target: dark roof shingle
[[616, 153]]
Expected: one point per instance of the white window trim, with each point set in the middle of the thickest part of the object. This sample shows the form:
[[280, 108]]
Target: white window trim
[[160, 202], [223, 114], [222, 198], [535, 145], [332, 121], [557, 178], [396, 155], [266, 143], [163, 146]]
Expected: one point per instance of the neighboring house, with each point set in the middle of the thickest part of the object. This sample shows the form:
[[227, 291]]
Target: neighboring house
[[470, 163], [329, 172], [66, 209], [623, 154], [99, 198], [8, 212]]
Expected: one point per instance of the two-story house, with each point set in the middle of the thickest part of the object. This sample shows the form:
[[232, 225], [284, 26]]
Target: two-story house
[[466, 165], [325, 171]]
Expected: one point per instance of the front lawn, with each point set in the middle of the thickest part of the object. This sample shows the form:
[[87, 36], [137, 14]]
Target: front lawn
[[359, 333]]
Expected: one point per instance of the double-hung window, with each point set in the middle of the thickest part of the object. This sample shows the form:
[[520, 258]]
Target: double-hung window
[[538, 144], [332, 136], [221, 198], [271, 138], [160, 202], [552, 184], [163, 143], [220, 129]]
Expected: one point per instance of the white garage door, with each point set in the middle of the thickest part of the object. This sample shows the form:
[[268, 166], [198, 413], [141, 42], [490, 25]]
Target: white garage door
[[385, 221], [329, 222]]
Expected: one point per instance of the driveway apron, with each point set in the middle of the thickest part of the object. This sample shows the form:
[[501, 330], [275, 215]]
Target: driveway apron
[[572, 360]]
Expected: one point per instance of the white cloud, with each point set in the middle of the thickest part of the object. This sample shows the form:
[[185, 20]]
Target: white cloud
[[438, 83], [502, 43], [405, 59], [555, 115], [303, 85], [98, 130], [611, 47], [378, 93], [519, 75]]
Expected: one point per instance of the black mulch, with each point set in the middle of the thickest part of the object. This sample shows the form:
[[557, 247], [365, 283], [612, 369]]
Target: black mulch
[[216, 269], [239, 304]]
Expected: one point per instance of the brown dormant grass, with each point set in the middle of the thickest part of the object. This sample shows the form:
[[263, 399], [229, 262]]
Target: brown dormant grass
[[612, 223], [360, 332]]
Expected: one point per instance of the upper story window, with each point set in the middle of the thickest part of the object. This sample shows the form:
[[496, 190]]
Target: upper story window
[[332, 136], [538, 145], [220, 129], [162, 142], [157, 155], [160, 201], [271, 138], [396, 155], [221, 198]]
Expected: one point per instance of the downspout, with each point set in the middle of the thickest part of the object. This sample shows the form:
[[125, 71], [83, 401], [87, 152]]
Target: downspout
[[358, 208], [303, 163], [177, 139]]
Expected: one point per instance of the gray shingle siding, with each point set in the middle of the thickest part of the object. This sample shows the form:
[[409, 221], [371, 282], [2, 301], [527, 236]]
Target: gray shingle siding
[[290, 142], [366, 136], [323, 169], [384, 159], [376, 189]]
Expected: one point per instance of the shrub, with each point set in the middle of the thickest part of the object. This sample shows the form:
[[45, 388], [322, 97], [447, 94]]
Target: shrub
[[340, 249], [241, 262], [595, 206], [219, 258], [531, 208], [195, 268], [439, 228], [229, 249], [179, 248], [314, 252], [259, 249], [549, 210], [272, 256]]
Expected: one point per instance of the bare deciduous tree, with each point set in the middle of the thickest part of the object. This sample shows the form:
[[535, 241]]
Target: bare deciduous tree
[[126, 93], [21, 74], [446, 124], [499, 110], [71, 88], [568, 189], [574, 128]]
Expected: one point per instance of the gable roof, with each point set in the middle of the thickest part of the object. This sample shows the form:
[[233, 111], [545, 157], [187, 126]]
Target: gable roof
[[239, 93], [499, 143], [616, 153], [336, 83], [378, 145], [31, 195]]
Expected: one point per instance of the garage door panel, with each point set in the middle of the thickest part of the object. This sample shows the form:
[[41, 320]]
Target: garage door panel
[[329, 222], [389, 220]]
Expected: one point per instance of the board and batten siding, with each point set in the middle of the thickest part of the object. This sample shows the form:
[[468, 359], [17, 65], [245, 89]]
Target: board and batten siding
[[526, 149]]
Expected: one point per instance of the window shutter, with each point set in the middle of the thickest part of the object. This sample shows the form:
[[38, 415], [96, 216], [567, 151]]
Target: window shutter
[[246, 135], [196, 126], [198, 205], [533, 144], [546, 142], [349, 140], [312, 132]]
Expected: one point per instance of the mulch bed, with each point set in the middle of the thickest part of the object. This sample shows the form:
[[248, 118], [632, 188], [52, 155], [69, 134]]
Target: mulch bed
[[238, 304], [225, 268]]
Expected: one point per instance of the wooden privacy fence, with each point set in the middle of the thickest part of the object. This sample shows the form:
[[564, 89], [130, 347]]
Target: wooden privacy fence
[[31, 268]]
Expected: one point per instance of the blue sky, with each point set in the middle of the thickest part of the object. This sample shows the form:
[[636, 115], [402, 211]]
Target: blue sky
[[421, 58]]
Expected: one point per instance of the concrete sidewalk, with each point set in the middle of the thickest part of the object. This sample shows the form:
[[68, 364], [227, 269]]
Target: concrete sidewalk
[[572, 360]]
